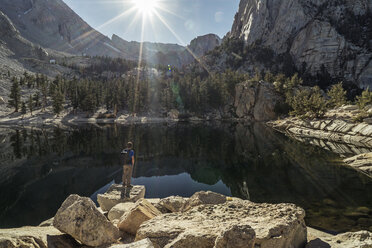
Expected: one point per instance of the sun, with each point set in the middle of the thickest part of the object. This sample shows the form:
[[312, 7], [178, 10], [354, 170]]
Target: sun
[[146, 7]]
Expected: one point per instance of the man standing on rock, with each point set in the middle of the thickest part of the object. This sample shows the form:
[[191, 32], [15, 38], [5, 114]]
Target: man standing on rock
[[128, 162]]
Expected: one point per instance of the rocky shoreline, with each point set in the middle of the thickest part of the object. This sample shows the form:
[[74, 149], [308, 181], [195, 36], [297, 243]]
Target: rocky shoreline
[[337, 133], [126, 219]]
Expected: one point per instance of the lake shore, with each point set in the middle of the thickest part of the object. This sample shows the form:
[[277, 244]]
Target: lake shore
[[337, 132], [177, 222]]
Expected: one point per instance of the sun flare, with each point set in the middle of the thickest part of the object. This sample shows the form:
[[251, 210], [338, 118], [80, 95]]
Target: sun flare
[[146, 7]]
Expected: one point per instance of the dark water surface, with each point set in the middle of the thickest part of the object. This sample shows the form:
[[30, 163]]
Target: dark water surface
[[39, 168]]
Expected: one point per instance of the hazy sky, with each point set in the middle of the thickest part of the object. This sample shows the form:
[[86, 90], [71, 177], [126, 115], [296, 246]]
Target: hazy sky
[[180, 20]]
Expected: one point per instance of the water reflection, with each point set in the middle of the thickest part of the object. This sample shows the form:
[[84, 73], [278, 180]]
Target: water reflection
[[41, 167]]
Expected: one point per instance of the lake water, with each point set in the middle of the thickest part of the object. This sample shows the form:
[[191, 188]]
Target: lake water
[[39, 168]]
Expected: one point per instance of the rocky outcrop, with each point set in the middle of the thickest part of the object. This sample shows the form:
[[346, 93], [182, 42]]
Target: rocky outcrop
[[361, 162], [256, 101], [79, 217], [362, 239], [141, 212], [203, 44], [117, 194], [321, 37], [340, 131], [35, 237], [279, 226]]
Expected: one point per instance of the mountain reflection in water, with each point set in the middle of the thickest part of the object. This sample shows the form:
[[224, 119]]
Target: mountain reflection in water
[[41, 167]]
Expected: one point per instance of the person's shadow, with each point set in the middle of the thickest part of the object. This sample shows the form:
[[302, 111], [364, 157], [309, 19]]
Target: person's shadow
[[125, 192]]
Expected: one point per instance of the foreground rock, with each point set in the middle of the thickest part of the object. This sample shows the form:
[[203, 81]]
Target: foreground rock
[[117, 194], [362, 239], [145, 243], [279, 226], [119, 210], [80, 218], [141, 212], [35, 237], [361, 162]]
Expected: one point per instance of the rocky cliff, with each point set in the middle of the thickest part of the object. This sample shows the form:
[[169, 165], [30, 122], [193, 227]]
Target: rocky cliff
[[203, 44], [322, 37]]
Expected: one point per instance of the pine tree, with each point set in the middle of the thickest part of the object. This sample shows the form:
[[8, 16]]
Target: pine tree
[[365, 99], [58, 101], [36, 99], [337, 96], [30, 104], [23, 109], [15, 95]]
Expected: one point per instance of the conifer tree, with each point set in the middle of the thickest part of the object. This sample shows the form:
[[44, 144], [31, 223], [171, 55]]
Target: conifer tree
[[15, 95], [365, 99], [23, 109], [58, 101], [337, 96], [30, 104]]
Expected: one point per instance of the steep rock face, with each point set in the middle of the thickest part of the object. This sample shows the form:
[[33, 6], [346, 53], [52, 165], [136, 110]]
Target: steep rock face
[[256, 100], [53, 24], [203, 44], [321, 36]]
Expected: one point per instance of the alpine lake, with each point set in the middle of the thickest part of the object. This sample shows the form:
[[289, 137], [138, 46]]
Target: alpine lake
[[40, 167]]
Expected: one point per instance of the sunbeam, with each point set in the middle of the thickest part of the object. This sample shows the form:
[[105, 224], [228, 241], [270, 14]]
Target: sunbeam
[[180, 40]]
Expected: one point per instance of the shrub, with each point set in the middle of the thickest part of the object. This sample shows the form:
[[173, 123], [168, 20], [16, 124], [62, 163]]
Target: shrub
[[365, 99], [337, 96], [308, 103]]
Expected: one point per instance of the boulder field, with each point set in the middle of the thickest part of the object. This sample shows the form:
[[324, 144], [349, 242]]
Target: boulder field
[[206, 219]]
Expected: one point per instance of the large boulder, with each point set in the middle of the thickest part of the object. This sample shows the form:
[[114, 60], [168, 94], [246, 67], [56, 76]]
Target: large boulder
[[275, 225], [117, 194], [202, 197], [119, 210], [362, 239], [141, 212], [35, 237], [144, 243], [80, 218]]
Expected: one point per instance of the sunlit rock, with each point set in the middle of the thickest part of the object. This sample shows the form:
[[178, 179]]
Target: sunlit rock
[[119, 210], [35, 237], [279, 226], [141, 212], [80, 218]]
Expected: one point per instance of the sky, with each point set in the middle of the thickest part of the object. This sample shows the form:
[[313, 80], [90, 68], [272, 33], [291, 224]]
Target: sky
[[171, 21]]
